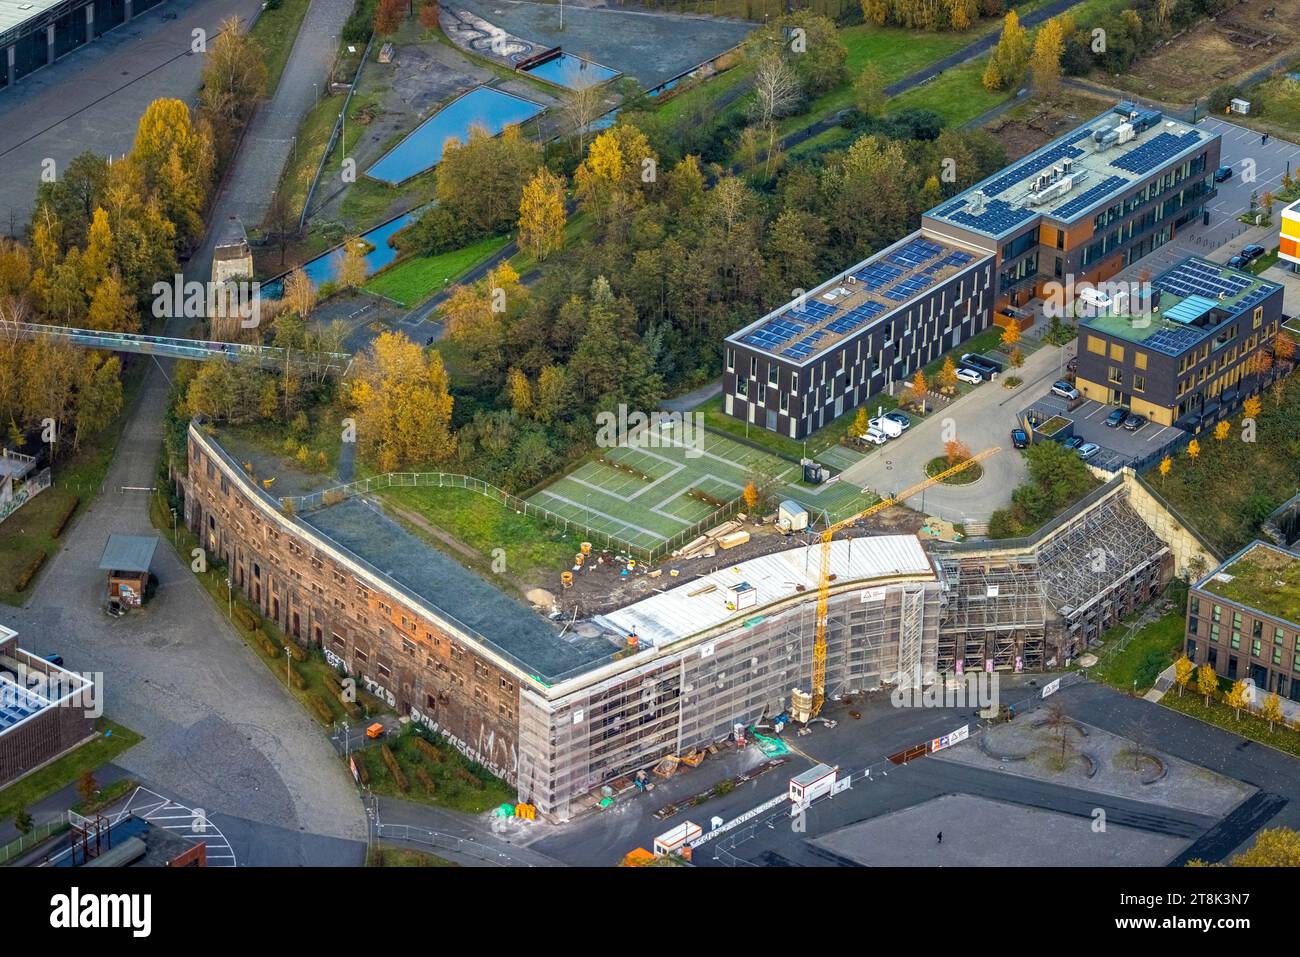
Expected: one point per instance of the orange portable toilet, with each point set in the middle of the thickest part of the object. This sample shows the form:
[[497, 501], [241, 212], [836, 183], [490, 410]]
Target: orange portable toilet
[[375, 730]]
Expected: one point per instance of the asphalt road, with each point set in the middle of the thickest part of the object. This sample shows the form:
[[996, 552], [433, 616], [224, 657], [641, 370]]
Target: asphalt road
[[93, 98]]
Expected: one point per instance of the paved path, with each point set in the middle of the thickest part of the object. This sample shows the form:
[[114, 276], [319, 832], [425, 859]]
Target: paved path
[[270, 140]]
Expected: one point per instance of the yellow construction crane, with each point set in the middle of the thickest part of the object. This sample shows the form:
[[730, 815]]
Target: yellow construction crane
[[824, 579]]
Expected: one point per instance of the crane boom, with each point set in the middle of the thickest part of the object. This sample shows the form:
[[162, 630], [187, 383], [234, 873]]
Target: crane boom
[[824, 578]]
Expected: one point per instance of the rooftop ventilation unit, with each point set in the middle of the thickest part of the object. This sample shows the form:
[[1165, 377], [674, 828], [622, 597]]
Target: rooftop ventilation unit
[[977, 202]]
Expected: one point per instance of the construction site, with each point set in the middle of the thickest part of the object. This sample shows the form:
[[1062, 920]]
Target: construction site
[[760, 622]]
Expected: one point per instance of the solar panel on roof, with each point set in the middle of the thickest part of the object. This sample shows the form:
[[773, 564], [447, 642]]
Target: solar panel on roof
[[1089, 196], [1157, 150], [997, 217], [1035, 165]]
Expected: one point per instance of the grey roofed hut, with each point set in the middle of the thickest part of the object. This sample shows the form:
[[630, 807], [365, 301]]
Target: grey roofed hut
[[127, 559]]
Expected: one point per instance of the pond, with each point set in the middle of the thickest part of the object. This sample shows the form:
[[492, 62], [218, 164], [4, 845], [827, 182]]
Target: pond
[[422, 148]]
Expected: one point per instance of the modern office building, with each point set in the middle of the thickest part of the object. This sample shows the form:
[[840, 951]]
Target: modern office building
[[1084, 206], [1244, 619], [801, 366], [35, 33], [1288, 242], [1186, 356], [1076, 211]]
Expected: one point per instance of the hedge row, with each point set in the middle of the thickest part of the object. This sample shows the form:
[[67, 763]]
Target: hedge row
[[426, 782], [247, 618], [394, 769], [427, 749], [67, 517], [351, 707], [321, 708], [30, 571]]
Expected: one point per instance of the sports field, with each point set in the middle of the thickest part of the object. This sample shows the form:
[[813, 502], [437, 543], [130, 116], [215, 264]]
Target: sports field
[[645, 495]]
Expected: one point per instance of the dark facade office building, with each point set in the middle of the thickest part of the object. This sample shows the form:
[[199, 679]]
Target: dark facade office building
[[35, 33], [1242, 619], [802, 365], [1186, 357]]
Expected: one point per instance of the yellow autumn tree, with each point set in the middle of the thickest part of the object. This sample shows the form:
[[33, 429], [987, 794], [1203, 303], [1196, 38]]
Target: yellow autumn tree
[[352, 270], [1237, 698], [1046, 59], [175, 157], [609, 181], [948, 376], [1193, 450], [1207, 681], [1251, 407], [1183, 669], [1272, 710], [1166, 466], [541, 214], [1273, 847], [520, 391], [750, 495], [1221, 430], [1011, 333], [403, 405]]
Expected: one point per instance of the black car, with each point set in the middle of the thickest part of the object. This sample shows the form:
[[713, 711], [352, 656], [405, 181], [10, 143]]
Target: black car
[[1116, 419], [1252, 252], [1238, 262], [1073, 442], [1019, 439], [1222, 173], [1134, 422]]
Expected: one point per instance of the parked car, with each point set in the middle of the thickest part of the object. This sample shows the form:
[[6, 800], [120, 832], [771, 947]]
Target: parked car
[[1019, 439], [903, 421], [886, 425], [1252, 251], [1238, 262], [966, 374], [875, 437], [1134, 422], [1073, 442], [1116, 418], [1065, 390], [1222, 173], [985, 367], [1088, 450], [55, 660]]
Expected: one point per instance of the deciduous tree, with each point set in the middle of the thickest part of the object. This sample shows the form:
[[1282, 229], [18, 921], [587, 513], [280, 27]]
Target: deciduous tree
[[541, 214], [403, 403], [1183, 669]]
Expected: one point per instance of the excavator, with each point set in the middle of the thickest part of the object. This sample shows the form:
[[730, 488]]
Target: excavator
[[818, 695]]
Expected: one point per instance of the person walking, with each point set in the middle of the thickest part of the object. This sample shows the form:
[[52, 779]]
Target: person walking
[[941, 837]]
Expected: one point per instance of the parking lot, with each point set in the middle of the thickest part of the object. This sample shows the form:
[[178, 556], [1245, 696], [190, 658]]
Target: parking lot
[[1119, 447]]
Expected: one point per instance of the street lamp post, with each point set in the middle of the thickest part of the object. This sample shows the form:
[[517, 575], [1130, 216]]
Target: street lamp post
[[288, 666], [230, 599]]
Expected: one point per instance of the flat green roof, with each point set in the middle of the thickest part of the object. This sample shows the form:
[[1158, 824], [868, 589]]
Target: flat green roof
[[1262, 577]]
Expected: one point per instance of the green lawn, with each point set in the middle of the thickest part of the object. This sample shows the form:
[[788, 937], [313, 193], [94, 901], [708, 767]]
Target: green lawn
[[113, 740], [958, 95], [414, 280], [1149, 652], [456, 782], [535, 550], [275, 32]]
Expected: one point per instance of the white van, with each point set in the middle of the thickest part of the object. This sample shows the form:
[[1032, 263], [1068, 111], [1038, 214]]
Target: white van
[[890, 427]]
